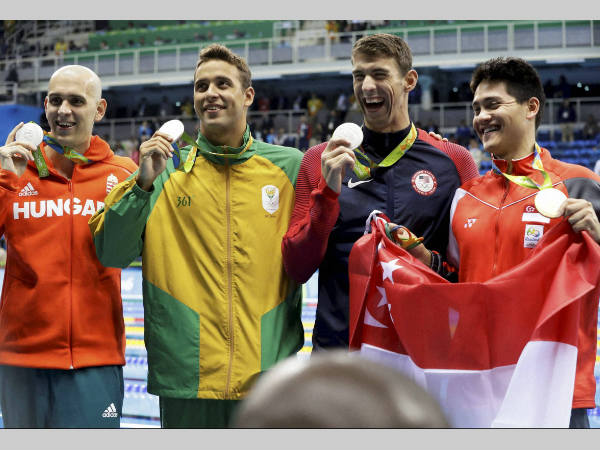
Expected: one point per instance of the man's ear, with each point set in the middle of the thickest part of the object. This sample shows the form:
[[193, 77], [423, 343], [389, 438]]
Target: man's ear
[[249, 94], [533, 106], [410, 80], [100, 110]]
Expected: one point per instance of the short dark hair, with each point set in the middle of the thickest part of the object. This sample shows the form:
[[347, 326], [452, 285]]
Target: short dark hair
[[521, 78], [218, 51], [386, 45]]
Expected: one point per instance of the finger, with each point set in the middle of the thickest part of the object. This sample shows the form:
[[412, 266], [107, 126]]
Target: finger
[[334, 143], [153, 145], [572, 205], [11, 136], [338, 151], [25, 145], [339, 163], [160, 134], [18, 152]]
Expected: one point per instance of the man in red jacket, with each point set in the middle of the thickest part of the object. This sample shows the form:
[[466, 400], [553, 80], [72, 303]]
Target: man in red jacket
[[62, 336], [498, 219]]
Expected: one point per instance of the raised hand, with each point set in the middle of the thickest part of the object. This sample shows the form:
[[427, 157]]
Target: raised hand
[[153, 159]]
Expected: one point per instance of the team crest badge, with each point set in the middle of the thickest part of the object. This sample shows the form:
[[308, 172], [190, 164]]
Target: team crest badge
[[111, 182], [424, 182], [270, 198]]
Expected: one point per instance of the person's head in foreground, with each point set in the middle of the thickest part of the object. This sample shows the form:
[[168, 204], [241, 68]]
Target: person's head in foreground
[[337, 389]]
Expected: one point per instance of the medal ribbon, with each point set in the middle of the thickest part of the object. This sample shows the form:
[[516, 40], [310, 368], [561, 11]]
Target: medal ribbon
[[363, 171], [230, 152], [67, 152], [525, 181]]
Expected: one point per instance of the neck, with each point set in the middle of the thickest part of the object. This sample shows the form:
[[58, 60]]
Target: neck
[[64, 166], [400, 123], [229, 138]]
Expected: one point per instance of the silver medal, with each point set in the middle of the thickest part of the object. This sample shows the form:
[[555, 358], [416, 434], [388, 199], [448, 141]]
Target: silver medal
[[548, 202]]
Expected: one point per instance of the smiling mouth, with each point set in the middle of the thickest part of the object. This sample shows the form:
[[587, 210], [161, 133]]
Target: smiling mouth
[[63, 125], [373, 104], [213, 108], [489, 130]]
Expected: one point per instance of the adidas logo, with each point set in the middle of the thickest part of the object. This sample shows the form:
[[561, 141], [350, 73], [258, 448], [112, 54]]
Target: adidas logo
[[111, 411], [28, 190]]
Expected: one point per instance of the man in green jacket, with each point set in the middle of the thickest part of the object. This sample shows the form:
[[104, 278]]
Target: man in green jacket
[[219, 307]]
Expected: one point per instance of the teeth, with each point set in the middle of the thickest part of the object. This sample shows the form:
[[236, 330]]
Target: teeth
[[65, 124], [487, 130], [373, 100], [213, 108]]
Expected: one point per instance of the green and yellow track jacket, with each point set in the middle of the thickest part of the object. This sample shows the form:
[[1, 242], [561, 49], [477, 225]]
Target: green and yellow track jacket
[[218, 306]]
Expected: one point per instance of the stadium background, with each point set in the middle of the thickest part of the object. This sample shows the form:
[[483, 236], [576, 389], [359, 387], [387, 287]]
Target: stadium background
[[301, 74]]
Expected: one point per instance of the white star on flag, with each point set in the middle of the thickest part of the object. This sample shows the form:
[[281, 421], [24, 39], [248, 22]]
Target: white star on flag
[[388, 269]]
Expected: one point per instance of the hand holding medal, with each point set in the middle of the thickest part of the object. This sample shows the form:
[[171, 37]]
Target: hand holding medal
[[548, 200], [21, 146]]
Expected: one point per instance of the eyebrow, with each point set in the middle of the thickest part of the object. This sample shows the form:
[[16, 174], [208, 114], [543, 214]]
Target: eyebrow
[[486, 99], [217, 78]]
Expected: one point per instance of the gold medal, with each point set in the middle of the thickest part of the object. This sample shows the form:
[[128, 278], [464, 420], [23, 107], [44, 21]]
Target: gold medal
[[548, 202]]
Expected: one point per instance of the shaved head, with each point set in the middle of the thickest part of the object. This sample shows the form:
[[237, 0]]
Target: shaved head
[[91, 81], [73, 104]]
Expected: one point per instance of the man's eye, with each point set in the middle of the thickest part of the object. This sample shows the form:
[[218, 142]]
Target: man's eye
[[55, 101], [201, 87]]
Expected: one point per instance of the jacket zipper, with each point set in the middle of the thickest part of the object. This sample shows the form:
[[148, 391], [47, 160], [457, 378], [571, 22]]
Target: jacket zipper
[[497, 227], [70, 184], [229, 277]]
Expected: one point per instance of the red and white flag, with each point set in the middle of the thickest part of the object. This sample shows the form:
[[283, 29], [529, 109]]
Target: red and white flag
[[502, 353]]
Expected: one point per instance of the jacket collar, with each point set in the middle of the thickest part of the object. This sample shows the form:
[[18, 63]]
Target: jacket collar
[[98, 150], [523, 166], [213, 152]]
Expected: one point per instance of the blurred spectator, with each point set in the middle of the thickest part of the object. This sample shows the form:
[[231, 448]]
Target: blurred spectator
[[165, 109], [60, 47], [549, 89], [145, 131], [280, 137], [266, 124], [13, 74], [476, 152], [304, 133], [142, 41], [463, 134], [298, 100], [566, 118], [141, 108], [104, 45], [158, 41], [263, 103], [591, 128], [318, 135], [314, 106], [187, 108], [342, 105], [564, 88], [332, 122], [331, 26], [337, 389], [270, 139], [431, 126]]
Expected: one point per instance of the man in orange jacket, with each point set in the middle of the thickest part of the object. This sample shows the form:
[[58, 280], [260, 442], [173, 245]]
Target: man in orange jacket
[[62, 336]]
